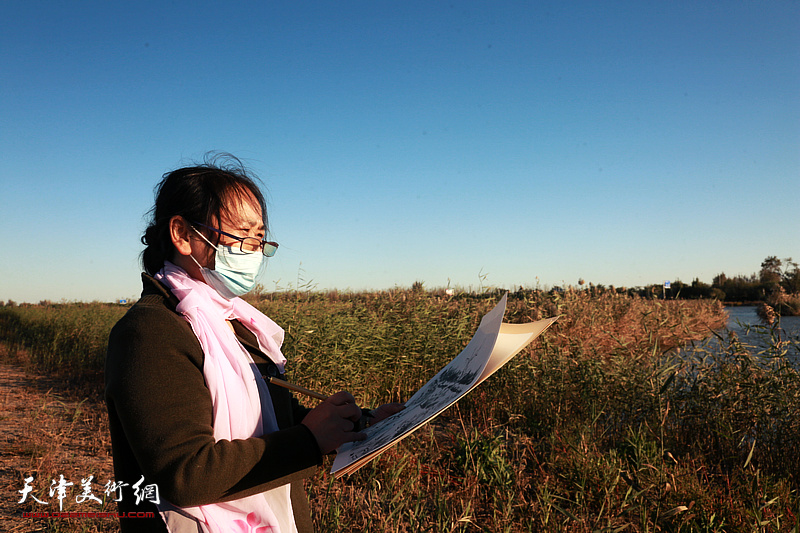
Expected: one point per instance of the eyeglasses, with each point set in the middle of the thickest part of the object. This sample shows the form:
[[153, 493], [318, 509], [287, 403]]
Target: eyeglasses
[[247, 245]]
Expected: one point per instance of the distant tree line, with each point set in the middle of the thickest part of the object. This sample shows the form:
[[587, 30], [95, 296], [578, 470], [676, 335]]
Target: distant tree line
[[775, 288], [776, 276]]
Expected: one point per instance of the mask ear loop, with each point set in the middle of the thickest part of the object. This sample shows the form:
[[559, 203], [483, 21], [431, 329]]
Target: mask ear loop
[[196, 262]]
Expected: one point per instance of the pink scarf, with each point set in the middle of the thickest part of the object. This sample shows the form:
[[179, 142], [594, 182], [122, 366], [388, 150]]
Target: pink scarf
[[240, 398]]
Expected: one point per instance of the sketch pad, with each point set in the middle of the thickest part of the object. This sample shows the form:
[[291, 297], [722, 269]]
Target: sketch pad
[[492, 346]]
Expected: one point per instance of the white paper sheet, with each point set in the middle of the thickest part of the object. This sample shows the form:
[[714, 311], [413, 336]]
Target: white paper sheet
[[492, 346]]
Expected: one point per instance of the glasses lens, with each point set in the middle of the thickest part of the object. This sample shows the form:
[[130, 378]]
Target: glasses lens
[[270, 248], [250, 244]]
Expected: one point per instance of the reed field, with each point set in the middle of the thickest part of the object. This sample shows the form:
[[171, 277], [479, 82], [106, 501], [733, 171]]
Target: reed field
[[628, 414]]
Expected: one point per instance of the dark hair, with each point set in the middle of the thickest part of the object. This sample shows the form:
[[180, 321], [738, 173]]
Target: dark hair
[[199, 194]]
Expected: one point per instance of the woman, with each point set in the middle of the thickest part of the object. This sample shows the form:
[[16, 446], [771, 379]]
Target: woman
[[192, 418]]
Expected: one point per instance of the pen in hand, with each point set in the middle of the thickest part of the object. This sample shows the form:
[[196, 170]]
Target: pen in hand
[[360, 426], [297, 388]]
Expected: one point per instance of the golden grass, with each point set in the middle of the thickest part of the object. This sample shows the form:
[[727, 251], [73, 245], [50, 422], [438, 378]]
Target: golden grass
[[603, 425]]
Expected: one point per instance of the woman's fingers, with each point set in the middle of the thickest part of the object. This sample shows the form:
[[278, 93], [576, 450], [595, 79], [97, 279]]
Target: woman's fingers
[[346, 404], [332, 422], [341, 398], [385, 411]]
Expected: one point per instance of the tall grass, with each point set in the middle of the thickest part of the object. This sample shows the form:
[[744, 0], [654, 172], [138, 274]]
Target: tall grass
[[619, 418], [65, 339]]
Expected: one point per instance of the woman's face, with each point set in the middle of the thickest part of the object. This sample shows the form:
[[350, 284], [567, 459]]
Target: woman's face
[[242, 217]]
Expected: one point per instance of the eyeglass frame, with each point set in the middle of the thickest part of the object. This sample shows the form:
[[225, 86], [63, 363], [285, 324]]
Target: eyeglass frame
[[263, 243]]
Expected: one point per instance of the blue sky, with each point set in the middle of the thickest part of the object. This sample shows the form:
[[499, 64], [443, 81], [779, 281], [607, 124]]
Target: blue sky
[[463, 143]]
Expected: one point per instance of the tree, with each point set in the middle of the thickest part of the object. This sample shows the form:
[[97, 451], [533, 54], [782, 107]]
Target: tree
[[790, 277], [770, 270]]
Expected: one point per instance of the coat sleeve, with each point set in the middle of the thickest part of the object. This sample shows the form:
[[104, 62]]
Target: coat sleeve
[[161, 418]]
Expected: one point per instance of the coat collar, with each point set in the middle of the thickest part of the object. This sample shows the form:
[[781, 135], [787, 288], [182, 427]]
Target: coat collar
[[152, 286]]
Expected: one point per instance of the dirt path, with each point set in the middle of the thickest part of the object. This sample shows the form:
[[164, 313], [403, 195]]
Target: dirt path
[[45, 434]]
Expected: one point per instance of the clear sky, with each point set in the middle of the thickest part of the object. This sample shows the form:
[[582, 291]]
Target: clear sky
[[473, 143]]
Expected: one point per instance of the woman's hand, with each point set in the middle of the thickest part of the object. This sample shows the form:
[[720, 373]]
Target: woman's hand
[[385, 411], [332, 422]]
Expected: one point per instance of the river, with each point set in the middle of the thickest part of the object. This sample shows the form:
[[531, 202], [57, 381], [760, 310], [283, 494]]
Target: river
[[751, 331], [740, 318]]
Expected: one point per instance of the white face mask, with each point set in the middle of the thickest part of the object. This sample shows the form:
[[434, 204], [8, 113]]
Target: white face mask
[[234, 271]]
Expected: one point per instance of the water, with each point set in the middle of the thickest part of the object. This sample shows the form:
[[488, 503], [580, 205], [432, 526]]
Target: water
[[753, 334], [752, 331], [742, 318]]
